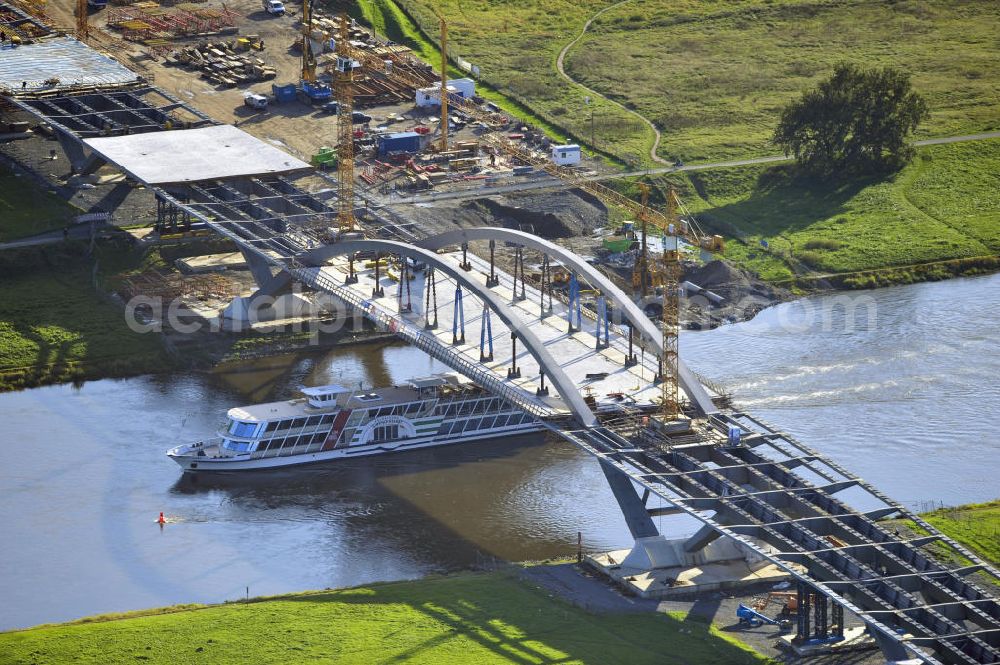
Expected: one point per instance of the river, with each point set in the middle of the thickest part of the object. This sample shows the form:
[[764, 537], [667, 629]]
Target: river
[[904, 392]]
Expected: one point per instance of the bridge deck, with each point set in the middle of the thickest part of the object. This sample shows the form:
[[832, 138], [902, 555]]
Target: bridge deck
[[575, 352]]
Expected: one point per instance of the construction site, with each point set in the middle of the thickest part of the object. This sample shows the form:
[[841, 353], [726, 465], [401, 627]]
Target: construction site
[[294, 135]]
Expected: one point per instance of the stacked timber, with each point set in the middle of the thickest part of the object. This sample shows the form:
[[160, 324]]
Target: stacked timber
[[225, 64]]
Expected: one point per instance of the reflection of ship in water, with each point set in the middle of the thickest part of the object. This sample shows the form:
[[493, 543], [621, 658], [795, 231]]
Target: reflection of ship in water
[[333, 422]]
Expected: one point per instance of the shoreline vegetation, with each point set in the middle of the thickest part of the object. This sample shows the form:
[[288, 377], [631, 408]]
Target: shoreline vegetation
[[489, 617]]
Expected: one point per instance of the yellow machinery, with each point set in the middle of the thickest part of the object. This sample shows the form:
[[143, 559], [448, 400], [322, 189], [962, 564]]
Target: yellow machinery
[[344, 87], [82, 23], [444, 84], [308, 59]]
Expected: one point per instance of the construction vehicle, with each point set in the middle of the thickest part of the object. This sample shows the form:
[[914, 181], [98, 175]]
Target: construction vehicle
[[754, 619], [313, 90]]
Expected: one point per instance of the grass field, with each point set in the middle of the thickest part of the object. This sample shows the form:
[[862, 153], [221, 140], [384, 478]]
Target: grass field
[[714, 75], [945, 205], [977, 526], [26, 209], [471, 618], [55, 327]]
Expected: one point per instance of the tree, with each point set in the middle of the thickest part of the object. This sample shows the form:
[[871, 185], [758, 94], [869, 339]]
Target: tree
[[858, 120]]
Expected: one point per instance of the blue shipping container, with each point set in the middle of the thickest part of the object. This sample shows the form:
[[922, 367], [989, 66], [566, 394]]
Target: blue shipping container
[[400, 142], [284, 93]]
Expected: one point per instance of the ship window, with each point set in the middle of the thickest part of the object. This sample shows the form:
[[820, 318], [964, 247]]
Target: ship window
[[298, 422], [413, 409], [487, 422], [501, 421], [271, 426], [313, 421], [326, 420], [316, 438], [473, 423], [242, 429], [385, 433]]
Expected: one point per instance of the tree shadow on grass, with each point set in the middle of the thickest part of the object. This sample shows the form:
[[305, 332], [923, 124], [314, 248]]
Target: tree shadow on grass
[[785, 201], [520, 625]]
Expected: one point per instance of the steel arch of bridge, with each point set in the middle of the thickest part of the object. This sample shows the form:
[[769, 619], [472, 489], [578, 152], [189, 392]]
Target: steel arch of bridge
[[635, 316], [568, 391]]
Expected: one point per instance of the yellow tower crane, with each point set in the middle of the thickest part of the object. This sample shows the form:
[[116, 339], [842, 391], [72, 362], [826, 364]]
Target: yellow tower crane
[[82, 23], [670, 319], [308, 59], [444, 83], [641, 276], [344, 88]]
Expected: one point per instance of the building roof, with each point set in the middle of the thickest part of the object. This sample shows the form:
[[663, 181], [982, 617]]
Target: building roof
[[332, 389], [190, 155]]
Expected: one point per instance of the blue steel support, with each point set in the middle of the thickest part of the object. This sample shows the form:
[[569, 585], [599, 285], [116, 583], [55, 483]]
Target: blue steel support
[[574, 304], [458, 319], [602, 322], [486, 336]]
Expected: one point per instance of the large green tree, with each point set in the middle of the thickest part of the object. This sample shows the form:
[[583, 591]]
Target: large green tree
[[859, 121]]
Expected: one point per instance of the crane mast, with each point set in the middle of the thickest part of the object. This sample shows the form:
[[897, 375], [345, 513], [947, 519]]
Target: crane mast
[[444, 83], [670, 319], [308, 59], [82, 24], [344, 86]]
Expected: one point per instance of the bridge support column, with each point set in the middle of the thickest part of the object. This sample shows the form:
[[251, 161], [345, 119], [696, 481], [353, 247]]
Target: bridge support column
[[545, 288], [259, 268], [79, 160], [486, 336], [404, 304], [630, 359], [377, 290], [519, 269], [700, 539], [514, 372], [492, 279], [633, 508], [574, 305], [430, 300], [602, 322], [352, 275], [465, 265], [458, 319], [542, 390]]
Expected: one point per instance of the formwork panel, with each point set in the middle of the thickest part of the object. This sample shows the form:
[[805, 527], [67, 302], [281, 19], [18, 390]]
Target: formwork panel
[[64, 62]]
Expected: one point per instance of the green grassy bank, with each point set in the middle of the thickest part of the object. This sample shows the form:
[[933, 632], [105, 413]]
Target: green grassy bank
[[938, 217], [975, 525], [713, 76], [55, 326], [26, 209], [468, 618]]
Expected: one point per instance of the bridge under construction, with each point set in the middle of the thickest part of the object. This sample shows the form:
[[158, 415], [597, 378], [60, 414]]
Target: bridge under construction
[[585, 365]]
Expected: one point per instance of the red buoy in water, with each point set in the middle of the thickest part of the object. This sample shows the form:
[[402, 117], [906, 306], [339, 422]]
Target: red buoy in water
[[162, 520]]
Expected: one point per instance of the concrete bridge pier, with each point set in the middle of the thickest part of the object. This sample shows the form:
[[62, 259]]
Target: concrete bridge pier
[[81, 161]]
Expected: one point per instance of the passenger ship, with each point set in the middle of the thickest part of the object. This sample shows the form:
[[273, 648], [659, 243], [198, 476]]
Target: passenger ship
[[331, 422]]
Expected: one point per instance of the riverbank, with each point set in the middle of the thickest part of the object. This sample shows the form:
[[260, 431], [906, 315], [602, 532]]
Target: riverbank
[[497, 617], [504, 616]]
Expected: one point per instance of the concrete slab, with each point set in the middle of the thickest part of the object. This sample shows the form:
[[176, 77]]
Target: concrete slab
[[855, 639], [212, 263], [685, 581], [189, 155], [70, 62]]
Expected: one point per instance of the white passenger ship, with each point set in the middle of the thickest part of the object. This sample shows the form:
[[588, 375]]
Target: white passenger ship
[[332, 422]]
